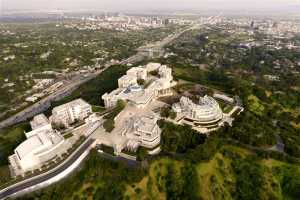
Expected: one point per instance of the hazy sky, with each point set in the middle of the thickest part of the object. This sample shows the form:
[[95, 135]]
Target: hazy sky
[[144, 5]]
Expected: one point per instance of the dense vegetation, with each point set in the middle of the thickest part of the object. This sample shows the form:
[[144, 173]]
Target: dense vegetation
[[29, 49], [211, 57], [99, 178], [179, 139], [94, 89], [232, 163], [228, 173]]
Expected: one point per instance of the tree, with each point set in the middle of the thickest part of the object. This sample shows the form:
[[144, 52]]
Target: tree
[[142, 154], [172, 114], [164, 112], [141, 81], [109, 125]]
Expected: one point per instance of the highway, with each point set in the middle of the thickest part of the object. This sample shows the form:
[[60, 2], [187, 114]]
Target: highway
[[45, 103], [67, 89], [24, 186]]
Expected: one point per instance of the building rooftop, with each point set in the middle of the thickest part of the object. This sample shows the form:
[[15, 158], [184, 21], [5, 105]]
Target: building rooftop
[[145, 124], [39, 142], [135, 70], [39, 121], [77, 102], [127, 78], [28, 146]]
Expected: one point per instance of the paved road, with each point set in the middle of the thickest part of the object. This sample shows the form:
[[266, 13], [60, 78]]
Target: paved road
[[67, 90], [61, 93], [44, 177], [45, 103]]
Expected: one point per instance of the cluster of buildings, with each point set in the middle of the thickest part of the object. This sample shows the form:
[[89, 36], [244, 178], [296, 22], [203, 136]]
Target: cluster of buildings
[[137, 125], [141, 95], [44, 143], [122, 22]]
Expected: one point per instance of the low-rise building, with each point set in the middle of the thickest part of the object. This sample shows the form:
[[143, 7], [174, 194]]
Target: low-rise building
[[140, 96], [206, 113], [38, 148], [138, 72], [142, 130], [223, 97], [126, 81], [153, 67], [69, 113], [31, 99]]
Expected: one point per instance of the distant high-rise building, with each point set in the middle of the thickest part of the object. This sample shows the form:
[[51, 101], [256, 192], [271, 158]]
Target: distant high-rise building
[[167, 22]]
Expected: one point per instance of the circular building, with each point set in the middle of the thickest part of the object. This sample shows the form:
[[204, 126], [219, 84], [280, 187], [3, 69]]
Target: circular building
[[207, 113]]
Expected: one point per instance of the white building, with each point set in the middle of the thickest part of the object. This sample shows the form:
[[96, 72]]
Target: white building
[[138, 72], [142, 130], [153, 67], [40, 122], [68, 113], [138, 95], [206, 113], [38, 148], [165, 72], [223, 97], [31, 99], [127, 80]]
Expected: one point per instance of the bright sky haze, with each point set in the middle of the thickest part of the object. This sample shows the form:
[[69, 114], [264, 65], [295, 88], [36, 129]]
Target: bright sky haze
[[148, 5]]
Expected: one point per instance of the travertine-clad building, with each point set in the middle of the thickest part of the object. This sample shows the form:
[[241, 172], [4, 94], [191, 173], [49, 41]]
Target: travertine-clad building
[[153, 67], [140, 96], [136, 125], [68, 113], [127, 80], [143, 130], [38, 148], [207, 112], [138, 72]]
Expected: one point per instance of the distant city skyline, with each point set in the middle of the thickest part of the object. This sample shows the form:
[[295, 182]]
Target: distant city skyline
[[153, 5]]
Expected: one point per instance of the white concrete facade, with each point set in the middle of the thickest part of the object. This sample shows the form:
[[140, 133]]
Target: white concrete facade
[[138, 72], [143, 130], [126, 81], [207, 111], [138, 95], [70, 112], [41, 142], [223, 97], [153, 67]]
